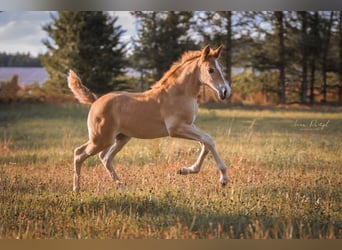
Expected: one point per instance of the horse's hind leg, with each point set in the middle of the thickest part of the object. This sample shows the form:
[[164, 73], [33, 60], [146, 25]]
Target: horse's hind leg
[[80, 155], [107, 156]]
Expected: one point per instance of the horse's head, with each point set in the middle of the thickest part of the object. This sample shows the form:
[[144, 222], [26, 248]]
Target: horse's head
[[211, 72]]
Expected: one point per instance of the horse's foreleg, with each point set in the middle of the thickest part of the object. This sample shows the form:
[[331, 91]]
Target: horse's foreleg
[[196, 167], [191, 132]]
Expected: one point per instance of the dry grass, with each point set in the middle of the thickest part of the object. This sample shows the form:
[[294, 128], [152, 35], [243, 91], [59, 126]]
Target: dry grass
[[285, 178]]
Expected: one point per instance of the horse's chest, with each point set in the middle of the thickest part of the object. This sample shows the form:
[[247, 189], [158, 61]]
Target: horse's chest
[[195, 110], [190, 112], [180, 110]]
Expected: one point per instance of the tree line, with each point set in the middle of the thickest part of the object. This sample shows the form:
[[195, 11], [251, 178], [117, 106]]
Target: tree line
[[285, 56], [18, 60]]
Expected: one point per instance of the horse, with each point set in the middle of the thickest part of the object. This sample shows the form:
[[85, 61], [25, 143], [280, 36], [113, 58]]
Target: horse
[[168, 108]]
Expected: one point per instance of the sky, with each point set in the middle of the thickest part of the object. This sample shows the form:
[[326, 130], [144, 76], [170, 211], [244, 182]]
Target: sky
[[21, 31]]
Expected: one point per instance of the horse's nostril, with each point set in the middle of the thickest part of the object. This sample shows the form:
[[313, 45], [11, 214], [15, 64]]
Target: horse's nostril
[[223, 93]]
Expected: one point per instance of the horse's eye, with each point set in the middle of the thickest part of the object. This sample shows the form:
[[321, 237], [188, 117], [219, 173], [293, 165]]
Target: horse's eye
[[211, 70]]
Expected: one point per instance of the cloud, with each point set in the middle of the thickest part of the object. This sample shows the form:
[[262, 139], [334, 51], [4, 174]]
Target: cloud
[[21, 31], [14, 31]]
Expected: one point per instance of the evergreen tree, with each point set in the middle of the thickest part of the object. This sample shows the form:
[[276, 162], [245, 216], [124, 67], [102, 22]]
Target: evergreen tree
[[162, 38], [87, 42], [312, 52], [216, 28]]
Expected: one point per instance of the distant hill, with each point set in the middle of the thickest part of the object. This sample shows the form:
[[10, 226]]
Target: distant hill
[[26, 75]]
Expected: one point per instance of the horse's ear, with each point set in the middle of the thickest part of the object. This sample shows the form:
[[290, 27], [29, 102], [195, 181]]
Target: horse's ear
[[205, 52], [217, 52]]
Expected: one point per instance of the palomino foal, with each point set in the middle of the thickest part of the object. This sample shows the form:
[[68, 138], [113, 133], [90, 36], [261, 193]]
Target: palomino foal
[[169, 108]]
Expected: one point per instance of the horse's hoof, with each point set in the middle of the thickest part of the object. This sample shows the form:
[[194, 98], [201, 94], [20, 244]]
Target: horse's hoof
[[76, 190], [183, 171], [120, 186], [223, 183], [119, 183]]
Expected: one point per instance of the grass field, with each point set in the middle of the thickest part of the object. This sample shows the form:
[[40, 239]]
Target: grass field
[[285, 174]]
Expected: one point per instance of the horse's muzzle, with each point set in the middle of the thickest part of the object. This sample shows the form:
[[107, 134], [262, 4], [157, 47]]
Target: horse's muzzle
[[224, 91]]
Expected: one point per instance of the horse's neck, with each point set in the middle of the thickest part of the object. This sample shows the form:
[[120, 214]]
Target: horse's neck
[[188, 83]]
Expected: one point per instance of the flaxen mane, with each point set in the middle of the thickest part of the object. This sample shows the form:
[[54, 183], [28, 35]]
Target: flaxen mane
[[186, 57]]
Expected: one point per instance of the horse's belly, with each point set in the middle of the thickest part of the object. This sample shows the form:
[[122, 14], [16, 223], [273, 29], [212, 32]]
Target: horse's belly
[[142, 121], [144, 129]]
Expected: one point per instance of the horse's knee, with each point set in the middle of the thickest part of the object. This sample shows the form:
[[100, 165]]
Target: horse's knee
[[79, 159], [79, 150]]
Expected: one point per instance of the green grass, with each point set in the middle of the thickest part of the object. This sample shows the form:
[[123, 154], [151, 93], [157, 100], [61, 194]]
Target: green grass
[[284, 178]]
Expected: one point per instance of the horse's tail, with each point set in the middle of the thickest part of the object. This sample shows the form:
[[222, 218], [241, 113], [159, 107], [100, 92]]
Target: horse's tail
[[81, 92]]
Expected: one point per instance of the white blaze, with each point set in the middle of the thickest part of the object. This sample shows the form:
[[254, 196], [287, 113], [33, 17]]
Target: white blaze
[[226, 85]]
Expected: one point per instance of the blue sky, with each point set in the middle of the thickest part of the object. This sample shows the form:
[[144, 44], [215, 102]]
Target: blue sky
[[21, 31]]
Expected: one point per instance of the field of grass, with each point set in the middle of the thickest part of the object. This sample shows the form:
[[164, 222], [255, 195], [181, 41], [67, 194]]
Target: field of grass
[[284, 167]]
